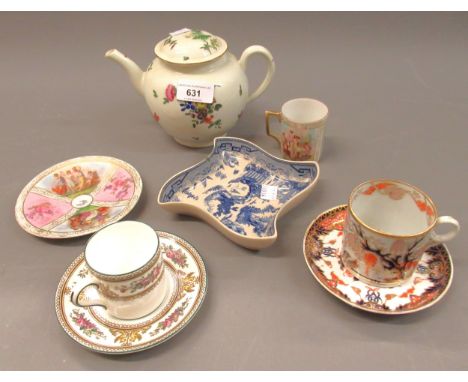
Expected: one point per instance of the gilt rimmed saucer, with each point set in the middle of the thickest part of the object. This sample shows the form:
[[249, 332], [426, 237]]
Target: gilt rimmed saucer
[[78, 197], [93, 328], [428, 284]]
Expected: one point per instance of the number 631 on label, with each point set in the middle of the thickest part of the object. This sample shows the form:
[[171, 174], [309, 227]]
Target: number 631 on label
[[195, 92]]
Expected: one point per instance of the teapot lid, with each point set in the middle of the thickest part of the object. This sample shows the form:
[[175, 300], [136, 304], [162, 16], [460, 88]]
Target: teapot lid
[[190, 46]]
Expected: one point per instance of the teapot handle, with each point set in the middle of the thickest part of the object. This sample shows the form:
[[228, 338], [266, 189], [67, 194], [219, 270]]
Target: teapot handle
[[270, 70]]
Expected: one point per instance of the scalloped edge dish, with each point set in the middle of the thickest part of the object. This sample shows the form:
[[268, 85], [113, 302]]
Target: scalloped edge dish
[[225, 190]]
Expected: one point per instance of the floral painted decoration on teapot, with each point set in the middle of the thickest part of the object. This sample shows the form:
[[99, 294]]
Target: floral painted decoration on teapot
[[201, 114], [211, 81], [189, 46]]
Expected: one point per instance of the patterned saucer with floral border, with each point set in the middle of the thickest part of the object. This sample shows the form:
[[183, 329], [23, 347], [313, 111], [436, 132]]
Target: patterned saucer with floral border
[[93, 328], [428, 284], [78, 197]]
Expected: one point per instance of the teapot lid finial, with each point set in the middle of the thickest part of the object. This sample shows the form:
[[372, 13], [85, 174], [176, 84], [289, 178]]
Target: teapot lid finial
[[190, 46]]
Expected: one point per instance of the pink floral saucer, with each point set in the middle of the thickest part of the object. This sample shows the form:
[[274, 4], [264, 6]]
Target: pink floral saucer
[[427, 285], [78, 197], [93, 328]]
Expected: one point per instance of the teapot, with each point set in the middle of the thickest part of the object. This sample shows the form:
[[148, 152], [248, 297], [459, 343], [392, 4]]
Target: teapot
[[195, 88]]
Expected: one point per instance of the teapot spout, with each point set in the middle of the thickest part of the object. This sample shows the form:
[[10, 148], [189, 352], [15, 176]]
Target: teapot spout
[[133, 70]]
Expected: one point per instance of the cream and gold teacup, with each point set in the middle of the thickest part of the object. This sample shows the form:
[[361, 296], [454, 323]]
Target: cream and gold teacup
[[127, 268], [389, 225]]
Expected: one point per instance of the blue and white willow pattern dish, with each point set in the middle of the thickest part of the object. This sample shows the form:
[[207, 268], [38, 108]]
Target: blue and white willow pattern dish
[[225, 190]]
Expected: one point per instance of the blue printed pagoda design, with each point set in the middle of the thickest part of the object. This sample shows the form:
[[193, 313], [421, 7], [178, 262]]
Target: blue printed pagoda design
[[225, 190]]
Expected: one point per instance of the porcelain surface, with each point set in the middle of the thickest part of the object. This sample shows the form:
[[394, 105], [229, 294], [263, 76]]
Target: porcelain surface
[[302, 128], [78, 197], [390, 226], [225, 190], [127, 268], [95, 329], [189, 46], [427, 285], [195, 57]]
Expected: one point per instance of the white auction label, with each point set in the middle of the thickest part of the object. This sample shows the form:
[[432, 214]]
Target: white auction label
[[195, 92], [268, 192]]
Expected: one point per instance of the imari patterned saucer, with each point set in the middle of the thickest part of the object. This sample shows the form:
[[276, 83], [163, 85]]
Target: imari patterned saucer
[[427, 285], [93, 328], [78, 197]]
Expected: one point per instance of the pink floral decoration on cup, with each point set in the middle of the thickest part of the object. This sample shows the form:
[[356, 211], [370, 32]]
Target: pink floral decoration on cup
[[295, 147]]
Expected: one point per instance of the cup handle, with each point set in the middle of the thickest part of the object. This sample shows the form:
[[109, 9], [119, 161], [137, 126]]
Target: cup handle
[[269, 114], [440, 238], [83, 300], [254, 49]]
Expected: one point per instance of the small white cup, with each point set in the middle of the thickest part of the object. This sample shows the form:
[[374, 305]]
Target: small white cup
[[302, 128], [128, 271]]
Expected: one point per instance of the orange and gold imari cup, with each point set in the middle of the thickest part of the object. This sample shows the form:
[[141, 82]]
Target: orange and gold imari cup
[[388, 227]]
